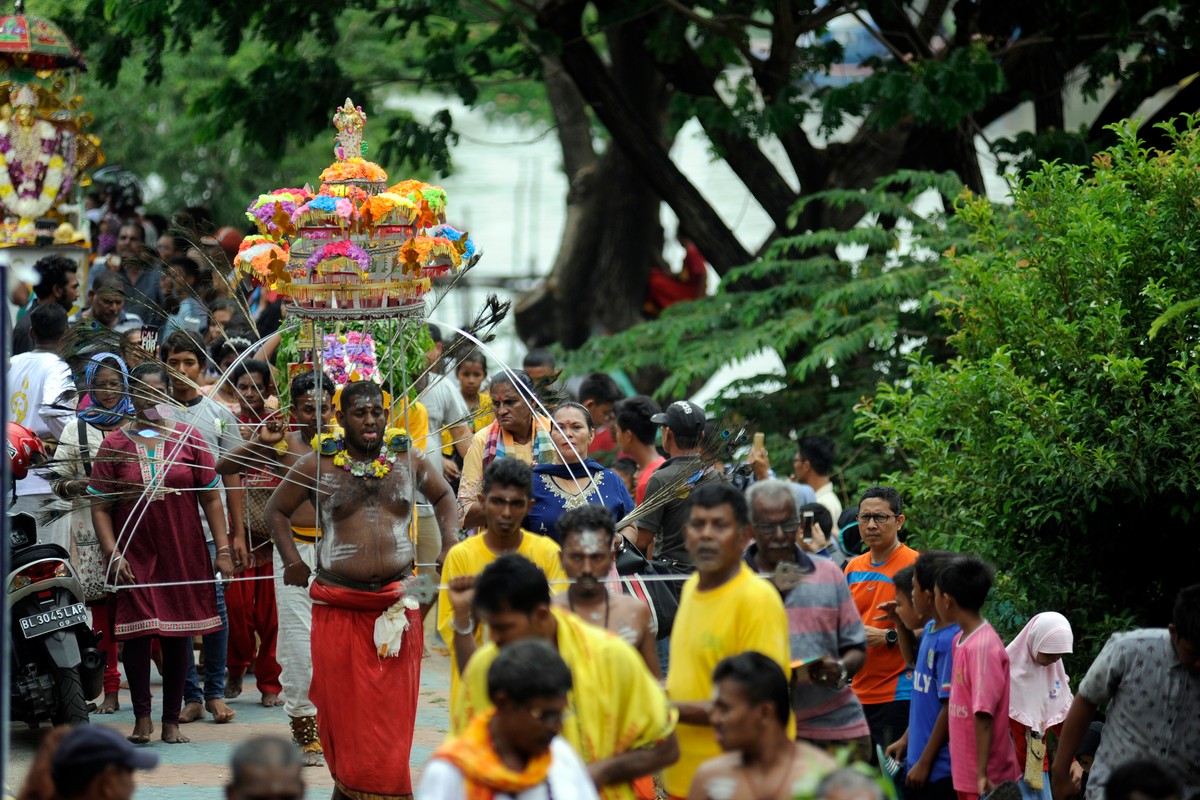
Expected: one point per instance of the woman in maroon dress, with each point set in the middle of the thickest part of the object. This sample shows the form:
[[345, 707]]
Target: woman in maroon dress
[[151, 480]]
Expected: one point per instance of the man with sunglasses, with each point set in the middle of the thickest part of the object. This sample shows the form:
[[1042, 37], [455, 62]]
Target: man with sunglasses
[[825, 633], [884, 684]]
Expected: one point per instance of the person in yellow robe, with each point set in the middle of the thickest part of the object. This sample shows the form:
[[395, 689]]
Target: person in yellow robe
[[507, 492], [725, 610], [618, 717]]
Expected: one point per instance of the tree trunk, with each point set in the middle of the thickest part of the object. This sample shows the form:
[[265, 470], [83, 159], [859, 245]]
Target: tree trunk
[[612, 234], [632, 237], [537, 312], [625, 124]]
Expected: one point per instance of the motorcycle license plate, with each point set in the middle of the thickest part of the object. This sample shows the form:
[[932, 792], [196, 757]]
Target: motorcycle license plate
[[53, 620]]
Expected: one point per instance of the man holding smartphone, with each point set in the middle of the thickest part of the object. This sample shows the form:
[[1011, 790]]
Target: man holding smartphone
[[826, 638]]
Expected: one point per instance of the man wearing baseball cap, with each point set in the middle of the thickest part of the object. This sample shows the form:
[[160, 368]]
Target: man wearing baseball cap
[[660, 531], [96, 762]]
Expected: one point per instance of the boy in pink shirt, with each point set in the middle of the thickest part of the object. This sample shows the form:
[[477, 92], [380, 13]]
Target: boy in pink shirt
[[982, 754]]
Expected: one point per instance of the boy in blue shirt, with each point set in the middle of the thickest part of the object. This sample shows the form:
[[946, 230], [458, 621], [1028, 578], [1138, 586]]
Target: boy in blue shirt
[[925, 746]]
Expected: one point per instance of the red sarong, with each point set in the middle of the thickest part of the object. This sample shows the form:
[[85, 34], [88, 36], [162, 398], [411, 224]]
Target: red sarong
[[366, 705], [251, 607]]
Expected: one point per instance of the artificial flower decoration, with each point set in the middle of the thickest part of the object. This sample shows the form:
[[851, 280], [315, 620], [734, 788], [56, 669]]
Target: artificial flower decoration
[[355, 194], [326, 210], [461, 239], [353, 244], [272, 212], [339, 256], [350, 355], [429, 200], [390, 209], [354, 169], [436, 254], [263, 259]]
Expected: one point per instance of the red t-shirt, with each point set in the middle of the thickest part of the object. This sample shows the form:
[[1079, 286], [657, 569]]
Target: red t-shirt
[[643, 478], [604, 442]]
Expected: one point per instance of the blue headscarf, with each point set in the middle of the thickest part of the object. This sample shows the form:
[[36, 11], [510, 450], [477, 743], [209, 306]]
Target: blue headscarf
[[96, 414]]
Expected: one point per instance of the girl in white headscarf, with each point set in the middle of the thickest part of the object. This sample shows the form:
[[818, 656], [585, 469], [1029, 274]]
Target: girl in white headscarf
[[1039, 695]]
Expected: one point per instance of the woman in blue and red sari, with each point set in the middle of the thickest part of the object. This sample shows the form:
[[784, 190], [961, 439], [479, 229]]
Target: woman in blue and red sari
[[577, 480], [151, 481]]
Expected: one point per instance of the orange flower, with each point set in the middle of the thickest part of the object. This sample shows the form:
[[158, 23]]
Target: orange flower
[[354, 169]]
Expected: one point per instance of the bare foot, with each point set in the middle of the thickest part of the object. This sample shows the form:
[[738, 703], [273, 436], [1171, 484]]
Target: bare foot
[[312, 759], [233, 686], [171, 735], [191, 712], [142, 728], [110, 705], [220, 711], [271, 700]]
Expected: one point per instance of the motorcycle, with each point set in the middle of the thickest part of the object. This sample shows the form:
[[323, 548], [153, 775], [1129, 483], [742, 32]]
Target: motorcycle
[[55, 668]]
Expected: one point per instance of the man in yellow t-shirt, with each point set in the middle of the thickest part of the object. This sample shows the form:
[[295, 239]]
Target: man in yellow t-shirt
[[618, 718], [725, 610], [507, 492]]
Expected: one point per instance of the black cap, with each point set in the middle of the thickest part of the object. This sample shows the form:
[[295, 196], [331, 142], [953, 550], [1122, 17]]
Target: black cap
[[682, 417], [87, 750]]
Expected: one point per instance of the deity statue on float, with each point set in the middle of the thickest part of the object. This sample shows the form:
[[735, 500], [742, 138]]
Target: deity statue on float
[[34, 159]]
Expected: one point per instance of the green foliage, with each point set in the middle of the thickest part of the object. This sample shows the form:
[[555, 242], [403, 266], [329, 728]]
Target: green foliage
[[1026, 151], [179, 154], [231, 101], [841, 308], [939, 92], [1058, 442]]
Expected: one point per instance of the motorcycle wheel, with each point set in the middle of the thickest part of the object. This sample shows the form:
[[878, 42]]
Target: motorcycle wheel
[[70, 708]]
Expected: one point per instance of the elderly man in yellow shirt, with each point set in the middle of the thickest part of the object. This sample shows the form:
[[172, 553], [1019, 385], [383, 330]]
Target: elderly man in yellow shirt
[[506, 495], [725, 610], [618, 718]]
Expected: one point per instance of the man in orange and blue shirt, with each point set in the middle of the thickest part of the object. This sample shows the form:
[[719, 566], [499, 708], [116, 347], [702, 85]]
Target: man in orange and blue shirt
[[884, 684]]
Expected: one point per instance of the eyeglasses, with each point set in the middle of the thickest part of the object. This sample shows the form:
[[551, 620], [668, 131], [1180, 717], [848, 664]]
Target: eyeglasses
[[767, 528], [878, 519]]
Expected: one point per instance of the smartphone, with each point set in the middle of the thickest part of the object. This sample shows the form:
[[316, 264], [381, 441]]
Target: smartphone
[[808, 523], [760, 440]]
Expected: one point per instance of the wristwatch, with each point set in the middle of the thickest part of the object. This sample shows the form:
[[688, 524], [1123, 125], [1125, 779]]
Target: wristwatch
[[891, 637]]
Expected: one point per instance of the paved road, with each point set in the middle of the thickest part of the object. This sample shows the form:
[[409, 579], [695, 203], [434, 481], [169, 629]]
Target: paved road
[[200, 769]]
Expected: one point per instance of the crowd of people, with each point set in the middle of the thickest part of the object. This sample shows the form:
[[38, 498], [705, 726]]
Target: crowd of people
[[622, 618]]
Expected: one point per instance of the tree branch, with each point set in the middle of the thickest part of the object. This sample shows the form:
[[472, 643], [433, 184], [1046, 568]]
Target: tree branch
[[720, 24], [897, 28], [1126, 101], [595, 84], [570, 114], [690, 75]]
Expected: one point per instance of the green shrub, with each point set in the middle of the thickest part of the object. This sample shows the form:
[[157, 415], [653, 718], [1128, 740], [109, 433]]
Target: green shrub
[[1060, 440]]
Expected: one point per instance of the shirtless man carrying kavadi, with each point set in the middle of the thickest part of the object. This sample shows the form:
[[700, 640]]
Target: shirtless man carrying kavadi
[[364, 685]]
